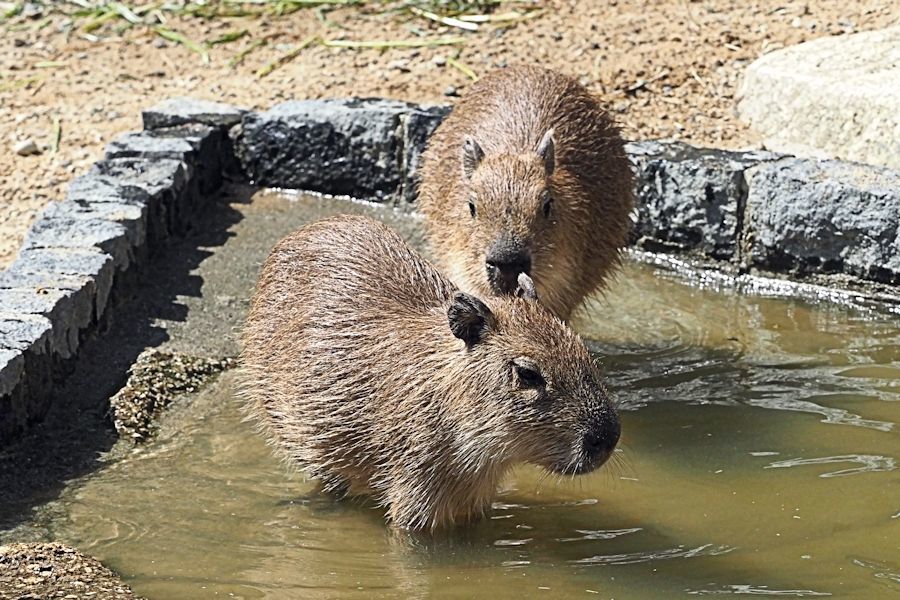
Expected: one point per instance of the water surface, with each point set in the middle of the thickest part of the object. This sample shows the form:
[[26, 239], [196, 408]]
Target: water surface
[[759, 457]]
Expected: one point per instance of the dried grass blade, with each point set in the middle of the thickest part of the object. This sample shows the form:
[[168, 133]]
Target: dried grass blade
[[174, 36], [463, 68], [450, 21], [394, 43], [57, 134], [286, 58], [240, 56]]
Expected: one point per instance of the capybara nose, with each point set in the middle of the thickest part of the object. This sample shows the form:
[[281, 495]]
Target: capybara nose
[[505, 260], [601, 441], [511, 265]]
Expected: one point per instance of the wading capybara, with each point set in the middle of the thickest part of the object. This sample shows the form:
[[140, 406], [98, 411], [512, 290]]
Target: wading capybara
[[375, 375], [527, 174]]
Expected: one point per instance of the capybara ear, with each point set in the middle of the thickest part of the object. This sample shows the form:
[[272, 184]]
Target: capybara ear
[[471, 156], [469, 318], [526, 288], [547, 151]]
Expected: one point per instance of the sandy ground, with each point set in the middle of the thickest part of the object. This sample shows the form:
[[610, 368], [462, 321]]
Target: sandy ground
[[667, 68]]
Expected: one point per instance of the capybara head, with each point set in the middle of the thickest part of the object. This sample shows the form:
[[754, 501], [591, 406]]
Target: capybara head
[[510, 208], [539, 396], [527, 174]]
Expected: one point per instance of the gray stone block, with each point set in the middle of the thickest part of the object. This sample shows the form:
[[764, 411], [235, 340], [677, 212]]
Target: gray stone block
[[808, 216], [14, 278], [51, 231], [164, 185], [181, 111], [69, 312], [205, 148], [350, 146], [147, 145], [133, 217], [418, 125], [12, 369], [150, 176], [689, 198], [56, 262], [24, 332]]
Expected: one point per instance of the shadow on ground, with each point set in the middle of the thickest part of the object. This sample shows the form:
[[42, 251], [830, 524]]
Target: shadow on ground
[[77, 430]]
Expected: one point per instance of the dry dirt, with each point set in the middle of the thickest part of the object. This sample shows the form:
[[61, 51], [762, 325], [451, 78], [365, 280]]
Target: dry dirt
[[667, 68]]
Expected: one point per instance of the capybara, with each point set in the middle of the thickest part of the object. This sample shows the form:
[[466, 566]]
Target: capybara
[[375, 375], [527, 174]]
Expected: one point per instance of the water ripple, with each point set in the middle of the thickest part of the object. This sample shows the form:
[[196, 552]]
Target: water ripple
[[753, 590], [870, 463], [631, 558], [599, 534]]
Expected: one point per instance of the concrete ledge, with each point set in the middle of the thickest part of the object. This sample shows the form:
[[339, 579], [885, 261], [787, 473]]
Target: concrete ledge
[[740, 211]]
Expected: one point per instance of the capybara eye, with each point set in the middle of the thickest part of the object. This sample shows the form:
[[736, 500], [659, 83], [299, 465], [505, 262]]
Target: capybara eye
[[529, 377], [472, 209], [548, 204]]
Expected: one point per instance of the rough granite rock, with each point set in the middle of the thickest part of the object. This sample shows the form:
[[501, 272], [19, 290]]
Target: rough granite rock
[[23, 332], [835, 97], [69, 311], [689, 198], [206, 149], [131, 216], [349, 146], [12, 366], [160, 185], [418, 124], [51, 231], [53, 262], [808, 216], [180, 111]]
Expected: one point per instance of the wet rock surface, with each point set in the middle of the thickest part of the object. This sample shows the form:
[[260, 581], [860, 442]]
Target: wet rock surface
[[154, 381], [690, 199], [44, 571], [806, 216]]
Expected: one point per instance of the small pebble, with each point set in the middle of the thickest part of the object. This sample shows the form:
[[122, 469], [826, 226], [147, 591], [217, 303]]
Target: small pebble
[[26, 148], [398, 65], [439, 60], [451, 90]]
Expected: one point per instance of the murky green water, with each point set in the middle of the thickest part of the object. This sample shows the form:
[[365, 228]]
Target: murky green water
[[759, 457]]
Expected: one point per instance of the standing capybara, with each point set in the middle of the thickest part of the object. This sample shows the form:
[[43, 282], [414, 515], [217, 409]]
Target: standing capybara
[[528, 174], [373, 374]]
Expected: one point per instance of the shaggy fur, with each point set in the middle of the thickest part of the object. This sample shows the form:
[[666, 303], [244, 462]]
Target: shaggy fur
[[488, 152], [376, 376]]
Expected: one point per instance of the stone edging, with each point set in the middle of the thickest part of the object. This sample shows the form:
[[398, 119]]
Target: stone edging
[[741, 209]]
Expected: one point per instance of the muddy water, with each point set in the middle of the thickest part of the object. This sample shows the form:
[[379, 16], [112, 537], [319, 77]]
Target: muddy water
[[759, 457]]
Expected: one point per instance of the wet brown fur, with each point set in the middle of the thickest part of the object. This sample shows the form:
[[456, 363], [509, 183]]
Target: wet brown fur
[[507, 113], [351, 368]]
